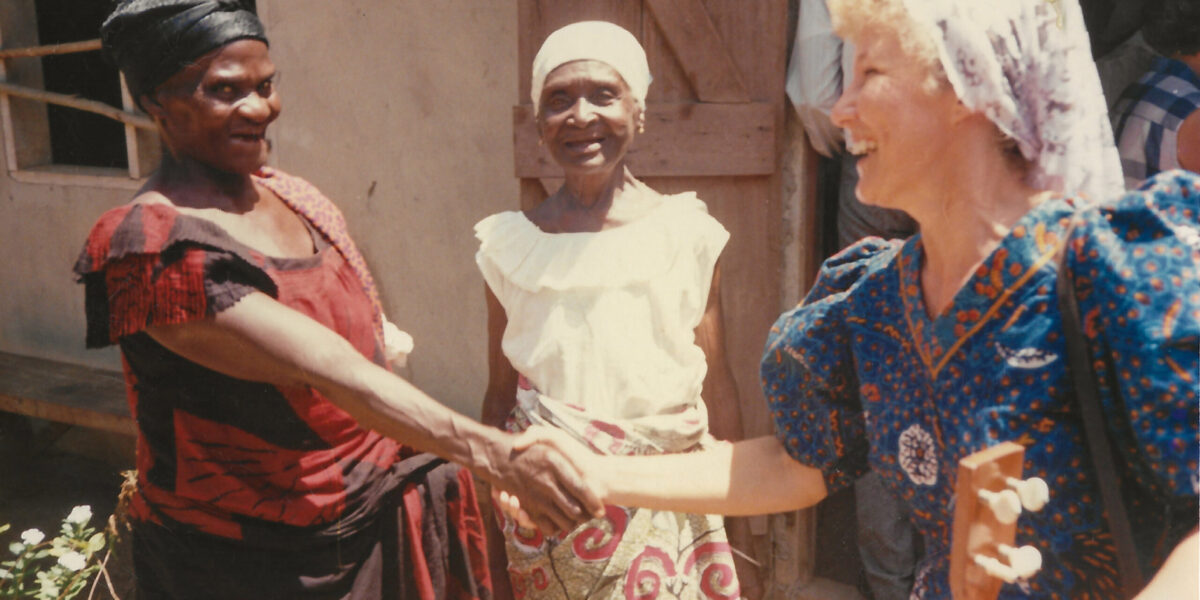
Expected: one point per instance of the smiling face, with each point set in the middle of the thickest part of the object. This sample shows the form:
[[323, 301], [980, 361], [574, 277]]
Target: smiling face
[[900, 120], [587, 117], [216, 110]]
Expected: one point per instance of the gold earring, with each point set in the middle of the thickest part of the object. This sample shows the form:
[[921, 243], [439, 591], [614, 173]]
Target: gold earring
[[641, 128]]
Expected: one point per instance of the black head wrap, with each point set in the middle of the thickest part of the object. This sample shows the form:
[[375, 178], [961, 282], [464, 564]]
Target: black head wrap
[[151, 40]]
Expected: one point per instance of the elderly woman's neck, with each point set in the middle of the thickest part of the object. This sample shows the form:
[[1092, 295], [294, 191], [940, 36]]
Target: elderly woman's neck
[[193, 184], [595, 190]]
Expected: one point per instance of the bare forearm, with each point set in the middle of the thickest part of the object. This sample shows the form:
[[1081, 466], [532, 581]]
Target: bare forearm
[[392, 406], [259, 339], [1177, 577], [745, 478], [310, 354], [395, 408]]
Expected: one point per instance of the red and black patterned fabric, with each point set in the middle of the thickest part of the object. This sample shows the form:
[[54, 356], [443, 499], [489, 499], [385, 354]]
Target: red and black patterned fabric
[[251, 465], [432, 514]]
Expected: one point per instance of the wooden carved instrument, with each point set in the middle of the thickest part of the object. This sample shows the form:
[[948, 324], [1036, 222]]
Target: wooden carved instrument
[[990, 495]]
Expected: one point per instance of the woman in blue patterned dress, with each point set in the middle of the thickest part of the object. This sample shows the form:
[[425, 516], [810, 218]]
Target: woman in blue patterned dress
[[985, 122]]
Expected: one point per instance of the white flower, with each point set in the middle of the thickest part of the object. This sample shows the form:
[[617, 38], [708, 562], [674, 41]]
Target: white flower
[[32, 537], [5, 574], [80, 514], [49, 588], [73, 561]]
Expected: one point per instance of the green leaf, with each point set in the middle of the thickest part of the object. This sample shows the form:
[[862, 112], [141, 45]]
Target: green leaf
[[96, 543], [85, 533]]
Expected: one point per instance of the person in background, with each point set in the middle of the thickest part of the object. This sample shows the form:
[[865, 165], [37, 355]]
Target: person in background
[[605, 322], [1156, 123], [820, 64], [985, 122], [1123, 65], [277, 455]]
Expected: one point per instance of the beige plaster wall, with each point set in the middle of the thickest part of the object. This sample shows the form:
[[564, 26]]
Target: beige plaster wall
[[400, 111], [42, 226], [42, 229]]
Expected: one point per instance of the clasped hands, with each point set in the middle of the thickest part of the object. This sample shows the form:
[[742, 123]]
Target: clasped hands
[[558, 494]]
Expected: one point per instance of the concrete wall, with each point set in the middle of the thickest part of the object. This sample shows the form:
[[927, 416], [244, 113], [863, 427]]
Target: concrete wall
[[400, 111], [42, 229], [42, 226]]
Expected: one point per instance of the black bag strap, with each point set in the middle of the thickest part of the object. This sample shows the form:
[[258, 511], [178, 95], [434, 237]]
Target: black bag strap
[[1096, 434]]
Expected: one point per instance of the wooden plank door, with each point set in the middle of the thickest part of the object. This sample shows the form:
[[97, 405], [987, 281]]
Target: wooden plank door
[[713, 122]]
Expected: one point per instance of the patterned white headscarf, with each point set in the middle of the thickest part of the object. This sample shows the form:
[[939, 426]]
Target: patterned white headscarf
[[593, 40], [1027, 65]]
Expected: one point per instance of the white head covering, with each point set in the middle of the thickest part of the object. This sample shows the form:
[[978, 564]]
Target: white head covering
[[1027, 65], [593, 40]]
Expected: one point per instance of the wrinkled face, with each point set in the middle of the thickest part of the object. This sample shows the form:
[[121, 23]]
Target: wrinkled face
[[216, 110], [898, 123], [587, 116]]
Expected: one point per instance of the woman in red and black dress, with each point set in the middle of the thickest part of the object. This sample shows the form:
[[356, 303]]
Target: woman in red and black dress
[[277, 456]]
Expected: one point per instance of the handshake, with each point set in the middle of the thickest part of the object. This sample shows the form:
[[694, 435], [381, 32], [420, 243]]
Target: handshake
[[553, 482]]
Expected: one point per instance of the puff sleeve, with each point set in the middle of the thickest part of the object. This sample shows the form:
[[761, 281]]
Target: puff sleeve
[[146, 264], [1135, 265], [808, 371]]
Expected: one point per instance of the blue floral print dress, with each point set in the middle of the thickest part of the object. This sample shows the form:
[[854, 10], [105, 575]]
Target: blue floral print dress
[[859, 377]]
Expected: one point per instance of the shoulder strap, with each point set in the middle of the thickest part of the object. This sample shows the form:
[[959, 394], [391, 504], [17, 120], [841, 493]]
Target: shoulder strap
[[310, 203], [1096, 434]]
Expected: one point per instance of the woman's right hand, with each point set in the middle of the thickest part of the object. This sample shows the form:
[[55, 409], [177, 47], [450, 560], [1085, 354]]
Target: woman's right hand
[[260, 339], [576, 452], [583, 457], [553, 484]]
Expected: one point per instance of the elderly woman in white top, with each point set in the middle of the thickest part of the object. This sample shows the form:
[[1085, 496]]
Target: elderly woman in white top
[[605, 322], [985, 122]]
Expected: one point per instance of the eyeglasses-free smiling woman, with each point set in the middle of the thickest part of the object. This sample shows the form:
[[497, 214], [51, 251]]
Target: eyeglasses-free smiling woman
[[985, 122], [278, 456], [605, 322]]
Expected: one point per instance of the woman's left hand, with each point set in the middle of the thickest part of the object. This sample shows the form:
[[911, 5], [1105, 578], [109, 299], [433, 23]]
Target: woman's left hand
[[583, 457]]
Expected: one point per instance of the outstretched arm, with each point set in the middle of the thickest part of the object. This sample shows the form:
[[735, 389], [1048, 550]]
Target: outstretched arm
[[725, 422], [260, 339], [750, 477]]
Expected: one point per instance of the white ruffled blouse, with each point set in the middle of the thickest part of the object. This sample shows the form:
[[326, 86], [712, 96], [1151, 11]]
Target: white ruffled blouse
[[605, 320]]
